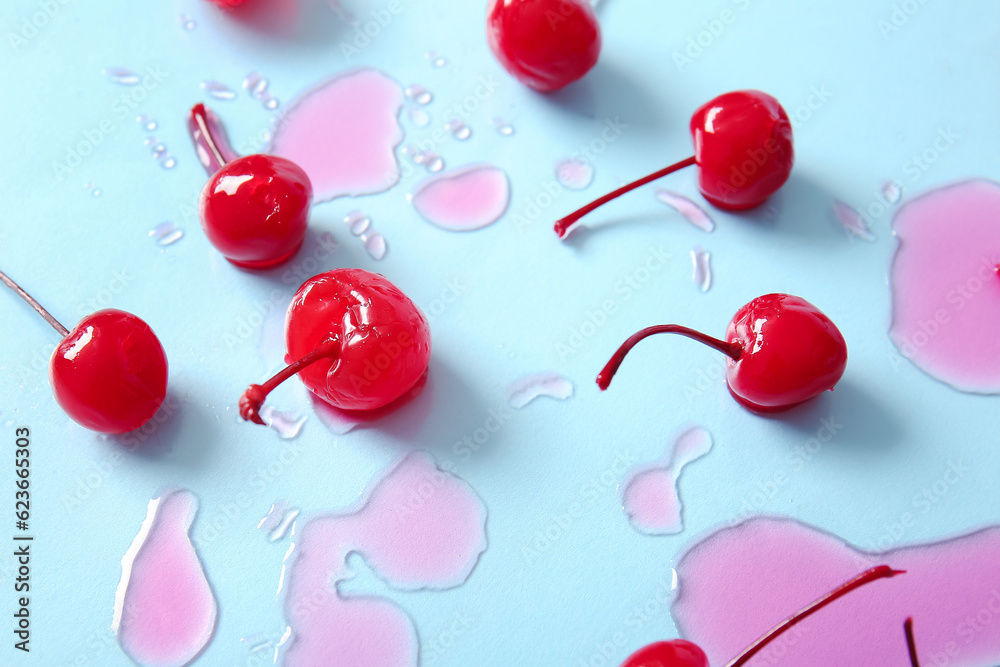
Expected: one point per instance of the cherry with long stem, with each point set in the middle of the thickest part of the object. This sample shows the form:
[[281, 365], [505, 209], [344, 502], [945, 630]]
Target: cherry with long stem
[[911, 643], [866, 577], [46, 315], [253, 398], [563, 226], [731, 350]]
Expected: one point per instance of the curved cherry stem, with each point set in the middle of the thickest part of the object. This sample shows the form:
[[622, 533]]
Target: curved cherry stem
[[46, 315], [253, 398], [911, 643], [563, 226], [211, 149], [731, 350], [866, 577]]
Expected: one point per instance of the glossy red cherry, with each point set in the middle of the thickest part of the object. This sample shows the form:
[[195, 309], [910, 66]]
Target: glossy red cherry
[[254, 209], [743, 149], [782, 351], [354, 339], [544, 44], [681, 653], [109, 373]]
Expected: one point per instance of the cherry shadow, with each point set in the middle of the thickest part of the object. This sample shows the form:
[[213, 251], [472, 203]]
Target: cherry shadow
[[661, 224], [304, 23]]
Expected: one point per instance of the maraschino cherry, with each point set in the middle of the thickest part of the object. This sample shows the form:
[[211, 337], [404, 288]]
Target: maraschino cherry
[[354, 339], [743, 149], [544, 44], [254, 209], [682, 653], [109, 373], [782, 351]]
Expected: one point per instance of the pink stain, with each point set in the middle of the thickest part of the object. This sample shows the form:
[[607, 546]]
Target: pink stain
[[742, 581], [165, 611], [465, 199], [420, 528], [946, 291], [651, 498], [343, 133]]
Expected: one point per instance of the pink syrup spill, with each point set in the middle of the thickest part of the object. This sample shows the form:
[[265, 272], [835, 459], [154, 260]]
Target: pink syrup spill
[[464, 199], [343, 133], [742, 581], [651, 498], [945, 285], [419, 528], [165, 610]]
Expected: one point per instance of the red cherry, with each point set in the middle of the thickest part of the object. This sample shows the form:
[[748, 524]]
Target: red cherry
[[254, 209], [681, 653], [544, 44], [109, 373], [782, 351], [743, 149], [358, 343]]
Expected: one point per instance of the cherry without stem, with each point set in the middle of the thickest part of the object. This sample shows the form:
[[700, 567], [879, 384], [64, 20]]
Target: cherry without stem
[[109, 373], [682, 653], [743, 150]]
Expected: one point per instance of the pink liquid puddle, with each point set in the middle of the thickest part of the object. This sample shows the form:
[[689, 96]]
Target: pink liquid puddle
[[463, 200], [851, 220], [165, 611], [651, 498], [420, 528], [945, 285], [740, 582], [343, 133], [691, 211]]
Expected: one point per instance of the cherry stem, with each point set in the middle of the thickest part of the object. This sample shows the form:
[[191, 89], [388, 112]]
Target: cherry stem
[[563, 226], [253, 398], [911, 643], [210, 153], [46, 315], [732, 350], [866, 577]]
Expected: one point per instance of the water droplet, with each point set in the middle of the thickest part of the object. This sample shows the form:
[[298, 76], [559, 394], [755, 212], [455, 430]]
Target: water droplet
[[575, 173], [158, 150], [151, 141], [503, 127], [419, 94], [435, 165], [419, 117], [357, 222], [435, 59], [375, 245], [166, 233], [527, 388], [459, 129], [851, 221], [287, 424], [701, 262], [892, 191], [96, 192], [165, 612], [691, 211], [218, 90], [250, 81], [151, 125], [259, 89], [169, 163], [143, 118], [440, 62], [271, 103], [188, 22], [122, 76]]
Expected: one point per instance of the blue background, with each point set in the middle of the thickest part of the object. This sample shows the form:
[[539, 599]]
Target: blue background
[[887, 96]]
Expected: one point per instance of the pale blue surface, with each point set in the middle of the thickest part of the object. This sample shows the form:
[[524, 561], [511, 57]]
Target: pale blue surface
[[889, 97]]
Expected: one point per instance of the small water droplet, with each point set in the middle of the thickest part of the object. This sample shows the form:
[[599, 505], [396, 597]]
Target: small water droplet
[[435, 164], [151, 141], [122, 76], [271, 103], [435, 59], [575, 173], [143, 118], [892, 191], [169, 163], [852, 221], [287, 424], [260, 88], [418, 116], [701, 261], [503, 127], [96, 192], [218, 90], [357, 222], [527, 388], [151, 125], [187, 22], [250, 81], [419, 94], [159, 150], [440, 62], [375, 245], [459, 129], [166, 233]]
